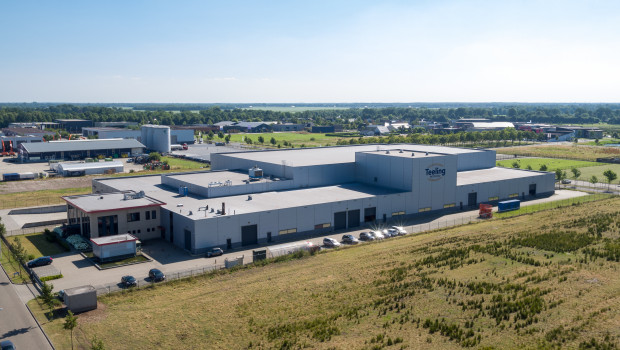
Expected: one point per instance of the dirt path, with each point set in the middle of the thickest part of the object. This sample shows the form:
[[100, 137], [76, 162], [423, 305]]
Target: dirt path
[[45, 184]]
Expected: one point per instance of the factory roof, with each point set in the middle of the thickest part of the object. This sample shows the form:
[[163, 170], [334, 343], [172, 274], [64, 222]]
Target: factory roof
[[483, 125], [203, 179], [93, 165], [95, 203], [333, 155], [238, 204], [107, 240], [493, 174], [106, 128], [405, 153], [72, 120], [80, 145]]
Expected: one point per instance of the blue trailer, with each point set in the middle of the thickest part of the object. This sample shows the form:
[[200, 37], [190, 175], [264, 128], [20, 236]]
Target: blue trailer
[[10, 177], [512, 204]]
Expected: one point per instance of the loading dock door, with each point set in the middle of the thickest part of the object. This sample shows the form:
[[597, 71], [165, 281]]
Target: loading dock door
[[532, 189], [188, 240], [340, 220], [354, 218], [472, 199], [249, 234], [370, 214]]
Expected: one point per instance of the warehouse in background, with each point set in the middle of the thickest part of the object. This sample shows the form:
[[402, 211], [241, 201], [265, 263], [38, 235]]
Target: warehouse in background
[[79, 149]]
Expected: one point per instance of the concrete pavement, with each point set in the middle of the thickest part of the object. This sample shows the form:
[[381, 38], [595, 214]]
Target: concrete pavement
[[16, 322]]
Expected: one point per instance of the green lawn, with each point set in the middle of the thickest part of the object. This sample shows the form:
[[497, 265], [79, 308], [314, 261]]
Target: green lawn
[[603, 142], [11, 266], [552, 205], [552, 163], [34, 198], [586, 173], [37, 245], [184, 164], [296, 138]]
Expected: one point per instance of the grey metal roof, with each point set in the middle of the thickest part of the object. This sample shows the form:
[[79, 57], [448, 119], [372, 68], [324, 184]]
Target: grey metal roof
[[93, 203], [494, 174], [93, 165], [80, 145]]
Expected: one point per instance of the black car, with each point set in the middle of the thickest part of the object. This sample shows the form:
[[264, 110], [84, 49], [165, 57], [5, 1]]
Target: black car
[[7, 345], [156, 275], [366, 236], [129, 281], [42, 261]]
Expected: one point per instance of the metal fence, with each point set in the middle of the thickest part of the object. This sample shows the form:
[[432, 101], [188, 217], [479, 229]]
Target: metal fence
[[170, 276]]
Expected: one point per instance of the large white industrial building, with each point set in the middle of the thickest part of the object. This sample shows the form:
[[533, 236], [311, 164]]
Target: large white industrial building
[[254, 197]]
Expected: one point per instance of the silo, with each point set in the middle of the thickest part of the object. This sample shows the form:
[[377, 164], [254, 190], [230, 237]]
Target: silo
[[161, 139]]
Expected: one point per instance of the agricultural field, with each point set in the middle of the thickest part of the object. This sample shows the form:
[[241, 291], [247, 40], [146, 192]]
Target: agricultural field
[[573, 151], [539, 281], [35, 198], [551, 163], [294, 138]]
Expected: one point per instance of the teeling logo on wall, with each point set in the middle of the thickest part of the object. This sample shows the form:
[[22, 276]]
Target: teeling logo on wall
[[435, 172]]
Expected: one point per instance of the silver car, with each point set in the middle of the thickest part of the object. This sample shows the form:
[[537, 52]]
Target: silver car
[[401, 230], [378, 235]]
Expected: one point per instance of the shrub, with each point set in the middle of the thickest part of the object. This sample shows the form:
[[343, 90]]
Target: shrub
[[49, 278]]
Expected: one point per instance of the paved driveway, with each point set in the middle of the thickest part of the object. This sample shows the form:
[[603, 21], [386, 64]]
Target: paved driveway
[[78, 271]]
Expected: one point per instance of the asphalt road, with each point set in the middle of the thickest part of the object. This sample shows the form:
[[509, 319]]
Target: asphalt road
[[16, 322]]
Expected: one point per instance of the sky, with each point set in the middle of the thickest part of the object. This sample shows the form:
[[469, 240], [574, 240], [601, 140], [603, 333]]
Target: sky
[[301, 51]]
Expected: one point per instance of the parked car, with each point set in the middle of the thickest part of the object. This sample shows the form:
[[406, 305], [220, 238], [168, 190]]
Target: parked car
[[366, 236], [129, 281], [401, 230], [378, 235], [387, 233], [565, 181], [156, 275], [330, 242], [42, 261], [215, 252], [7, 345], [349, 239], [393, 232]]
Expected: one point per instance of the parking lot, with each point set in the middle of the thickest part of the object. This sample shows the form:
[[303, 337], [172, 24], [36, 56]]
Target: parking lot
[[176, 262]]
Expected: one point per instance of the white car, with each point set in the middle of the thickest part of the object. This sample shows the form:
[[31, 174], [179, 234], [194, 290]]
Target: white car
[[387, 233], [401, 230], [330, 242], [378, 235]]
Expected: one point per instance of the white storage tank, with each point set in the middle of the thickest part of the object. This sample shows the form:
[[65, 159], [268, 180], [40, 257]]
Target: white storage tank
[[156, 138]]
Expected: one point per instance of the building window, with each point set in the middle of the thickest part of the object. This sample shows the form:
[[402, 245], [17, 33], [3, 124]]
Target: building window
[[398, 213], [321, 226], [133, 217], [493, 198], [153, 214], [451, 205], [148, 215], [290, 230], [513, 195], [424, 209], [138, 231], [148, 229]]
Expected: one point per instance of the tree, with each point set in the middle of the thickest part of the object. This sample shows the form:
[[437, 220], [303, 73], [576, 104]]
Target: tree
[[529, 167], [576, 173], [19, 252], [48, 297], [543, 167], [261, 139], [227, 138], [248, 140], [70, 323], [610, 175], [516, 165], [560, 175], [220, 135], [96, 344], [593, 179], [210, 135], [154, 156], [273, 141]]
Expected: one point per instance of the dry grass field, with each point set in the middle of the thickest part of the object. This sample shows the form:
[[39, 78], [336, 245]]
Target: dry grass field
[[573, 151], [539, 281]]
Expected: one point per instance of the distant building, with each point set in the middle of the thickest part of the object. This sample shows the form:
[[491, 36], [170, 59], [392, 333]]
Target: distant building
[[178, 135], [375, 130], [397, 126], [115, 124], [35, 125], [249, 127], [78, 149], [74, 125], [288, 127], [326, 128], [484, 126]]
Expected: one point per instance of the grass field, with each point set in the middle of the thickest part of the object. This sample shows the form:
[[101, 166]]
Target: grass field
[[11, 266], [539, 281], [580, 152], [37, 245], [297, 139], [603, 142], [551, 163], [184, 164], [34, 198], [586, 173]]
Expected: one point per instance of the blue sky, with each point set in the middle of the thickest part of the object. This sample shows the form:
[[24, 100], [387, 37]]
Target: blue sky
[[309, 51]]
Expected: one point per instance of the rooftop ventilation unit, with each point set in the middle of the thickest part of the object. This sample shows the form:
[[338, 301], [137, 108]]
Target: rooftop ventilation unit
[[413, 154], [401, 151], [256, 173], [387, 152]]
